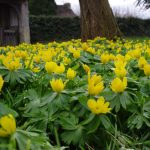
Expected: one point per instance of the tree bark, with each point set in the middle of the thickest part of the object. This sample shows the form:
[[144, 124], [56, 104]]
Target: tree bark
[[24, 29], [97, 19]]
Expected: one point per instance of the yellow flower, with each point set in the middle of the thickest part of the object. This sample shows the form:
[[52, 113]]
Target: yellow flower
[[7, 125], [128, 57], [136, 53], [118, 85], [112, 57], [2, 57], [99, 106], [95, 85], [142, 62], [86, 68], [105, 58], [85, 46], [17, 53], [50, 67], [60, 69], [120, 72], [12, 64], [76, 54], [66, 60], [47, 56], [71, 49], [37, 59], [120, 57], [71, 73], [36, 69], [120, 64], [23, 54], [57, 85], [29, 63], [91, 50], [147, 70], [1, 82]]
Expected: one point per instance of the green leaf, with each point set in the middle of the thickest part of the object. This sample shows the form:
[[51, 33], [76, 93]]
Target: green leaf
[[83, 100], [145, 86], [93, 126], [105, 121], [75, 136], [146, 106], [4, 110], [120, 99], [69, 123], [88, 120], [31, 140], [18, 76], [115, 102], [61, 100], [37, 119], [32, 94], [108, 94], [135, 121], [84, 60], [133, 108], [125, 99]]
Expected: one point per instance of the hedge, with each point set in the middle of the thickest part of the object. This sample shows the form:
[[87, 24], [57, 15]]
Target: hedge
[[47, 28], [50, 28], [134, 26], [42, 7]]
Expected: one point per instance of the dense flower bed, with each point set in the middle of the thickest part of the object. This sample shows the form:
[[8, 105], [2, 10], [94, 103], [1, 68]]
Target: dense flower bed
[[82, 95]]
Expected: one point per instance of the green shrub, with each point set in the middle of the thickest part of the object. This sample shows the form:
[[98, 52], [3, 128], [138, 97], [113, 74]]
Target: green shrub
[[134, 26], [48, 28], [44, 7]]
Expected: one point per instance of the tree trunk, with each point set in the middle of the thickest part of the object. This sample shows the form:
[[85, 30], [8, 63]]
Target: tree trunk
[[24, 29], [97, 19]]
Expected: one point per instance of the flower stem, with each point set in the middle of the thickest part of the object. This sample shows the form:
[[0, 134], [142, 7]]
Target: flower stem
[[56, 136]]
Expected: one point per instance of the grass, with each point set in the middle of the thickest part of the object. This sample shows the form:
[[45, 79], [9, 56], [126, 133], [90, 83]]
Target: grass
[[135, 38]]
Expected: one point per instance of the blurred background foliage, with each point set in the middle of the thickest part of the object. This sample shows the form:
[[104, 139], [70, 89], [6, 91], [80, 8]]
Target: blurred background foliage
[[44, 7], [51, 28]]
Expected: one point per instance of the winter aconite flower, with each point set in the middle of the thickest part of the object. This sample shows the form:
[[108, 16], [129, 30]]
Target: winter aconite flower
[[147, 69], [60, 69], [86, 68], [66, 60], [105, 58], [71, 73], [57, 85], [12, 64], [37, 59], [95, 84], [142, 62], [118, 85], [50, 67], [99, 106], [7, 125], [120, 64], [91, 50], [76, 54], [136, 53], [1, 82], [35, 69], [120, 72]]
